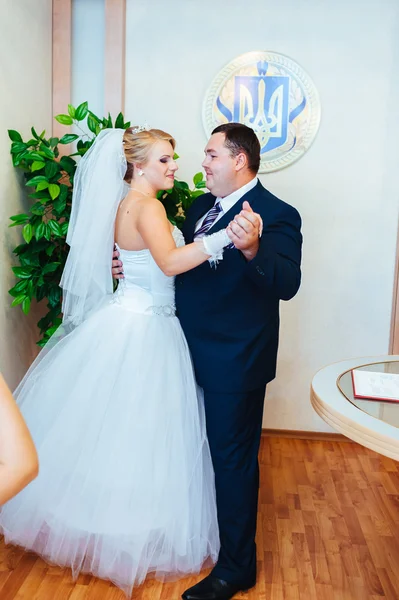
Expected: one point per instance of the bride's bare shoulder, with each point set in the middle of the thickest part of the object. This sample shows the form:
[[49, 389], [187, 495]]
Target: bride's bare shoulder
[[152, 207]]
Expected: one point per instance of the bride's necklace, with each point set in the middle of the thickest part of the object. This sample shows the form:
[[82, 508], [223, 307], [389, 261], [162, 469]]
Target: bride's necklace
[[139, 191]]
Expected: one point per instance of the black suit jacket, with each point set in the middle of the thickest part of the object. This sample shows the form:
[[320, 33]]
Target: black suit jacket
[[230, 314]]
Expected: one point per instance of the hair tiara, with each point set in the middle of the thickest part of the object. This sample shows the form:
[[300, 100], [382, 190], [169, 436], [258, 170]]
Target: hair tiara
[[141, 128]]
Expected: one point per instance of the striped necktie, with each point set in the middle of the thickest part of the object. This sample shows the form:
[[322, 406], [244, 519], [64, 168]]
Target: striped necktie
[[209, 220]]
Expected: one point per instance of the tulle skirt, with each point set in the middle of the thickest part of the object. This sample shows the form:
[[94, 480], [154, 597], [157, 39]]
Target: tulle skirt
[[126, 486]]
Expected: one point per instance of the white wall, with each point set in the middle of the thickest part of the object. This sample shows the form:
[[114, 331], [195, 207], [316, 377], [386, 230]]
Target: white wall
[[25, 100], [345, 187]]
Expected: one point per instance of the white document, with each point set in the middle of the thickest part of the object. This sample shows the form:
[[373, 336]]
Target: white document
[[375, 386]]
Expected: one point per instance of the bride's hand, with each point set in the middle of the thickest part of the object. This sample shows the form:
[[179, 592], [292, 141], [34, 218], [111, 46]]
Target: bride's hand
[[117, 266]]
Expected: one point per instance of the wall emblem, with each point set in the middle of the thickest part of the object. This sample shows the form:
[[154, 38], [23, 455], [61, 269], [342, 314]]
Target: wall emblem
[[272, 94]]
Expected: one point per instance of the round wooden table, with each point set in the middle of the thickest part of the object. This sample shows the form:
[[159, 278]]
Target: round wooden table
[[374, 424]]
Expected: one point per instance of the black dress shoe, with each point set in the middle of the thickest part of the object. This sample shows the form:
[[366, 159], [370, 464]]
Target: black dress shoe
[[212, 588]]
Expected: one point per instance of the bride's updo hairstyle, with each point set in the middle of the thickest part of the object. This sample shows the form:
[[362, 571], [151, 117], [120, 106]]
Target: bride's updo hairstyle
[[137, 144]]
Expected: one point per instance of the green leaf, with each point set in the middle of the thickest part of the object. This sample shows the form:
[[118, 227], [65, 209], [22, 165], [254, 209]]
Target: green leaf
[[17, 158], [13, 292], [17, 147], [64, 119], [55, 228], [59, 205], [197, 178], [68, 138], [54, 190], [37, 165], [35, 180], [47, 232], [18, 299], [50, 267], [30, 261], [14, 135], [92, 124], [49, 250], [109, 122], [38, 209], [46, 151], [52, 168], [81, 111], [119, 121], [53, 142], [30, 289], [201, 184], [20, 249], [71, 111], [40, 229], [181, 185], [68, 164], [26, 305], [32, 249], [54, 296], [27, 232], [97, 119], [64, 191], [22, 272], [34, 155], [18, 287], [51, 331], [42, 185], [42, 196], [196, 194], [19, 218], [34, 133], [64, 228]]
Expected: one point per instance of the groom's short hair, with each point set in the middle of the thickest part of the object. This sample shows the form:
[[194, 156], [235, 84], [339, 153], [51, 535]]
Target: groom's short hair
[[240, 138]]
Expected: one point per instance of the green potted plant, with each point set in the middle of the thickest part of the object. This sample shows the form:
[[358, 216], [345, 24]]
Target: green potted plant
[[49, 177]]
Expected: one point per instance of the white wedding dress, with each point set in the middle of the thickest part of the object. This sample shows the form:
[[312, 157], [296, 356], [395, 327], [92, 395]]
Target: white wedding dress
[[126, 485]]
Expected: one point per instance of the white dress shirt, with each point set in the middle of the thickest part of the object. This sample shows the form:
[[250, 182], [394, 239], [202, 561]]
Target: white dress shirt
[[228, 201]]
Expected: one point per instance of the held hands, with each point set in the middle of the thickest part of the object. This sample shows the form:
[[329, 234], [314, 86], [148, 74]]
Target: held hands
[[117, 266], [245, 231]]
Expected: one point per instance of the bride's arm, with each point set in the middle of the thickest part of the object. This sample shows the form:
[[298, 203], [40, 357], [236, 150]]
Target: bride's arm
[[154, 228], [18, 457]]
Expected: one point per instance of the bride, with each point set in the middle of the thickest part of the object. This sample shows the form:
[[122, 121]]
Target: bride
[[126, 483]]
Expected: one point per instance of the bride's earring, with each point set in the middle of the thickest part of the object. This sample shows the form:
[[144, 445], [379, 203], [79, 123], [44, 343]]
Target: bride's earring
[[140, 172]]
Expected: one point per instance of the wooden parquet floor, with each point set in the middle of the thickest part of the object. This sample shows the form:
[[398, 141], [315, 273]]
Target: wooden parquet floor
[[328, 530]]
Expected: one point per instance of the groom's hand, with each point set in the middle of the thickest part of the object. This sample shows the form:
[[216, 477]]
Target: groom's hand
[[245, 231], [117, 266]]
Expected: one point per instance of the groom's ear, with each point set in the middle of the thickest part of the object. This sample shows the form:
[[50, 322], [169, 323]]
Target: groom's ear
[[241, 161]]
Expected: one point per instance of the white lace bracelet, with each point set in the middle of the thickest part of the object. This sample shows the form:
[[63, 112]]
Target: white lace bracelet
[[213, 245]]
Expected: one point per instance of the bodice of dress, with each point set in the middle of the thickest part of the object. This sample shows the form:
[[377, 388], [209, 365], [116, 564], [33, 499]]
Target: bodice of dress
[[145, 288]]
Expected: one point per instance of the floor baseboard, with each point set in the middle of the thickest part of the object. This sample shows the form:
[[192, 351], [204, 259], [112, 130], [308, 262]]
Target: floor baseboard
[[305, 435]]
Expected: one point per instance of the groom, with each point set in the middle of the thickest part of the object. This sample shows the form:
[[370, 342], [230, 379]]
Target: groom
[[230, 316]]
